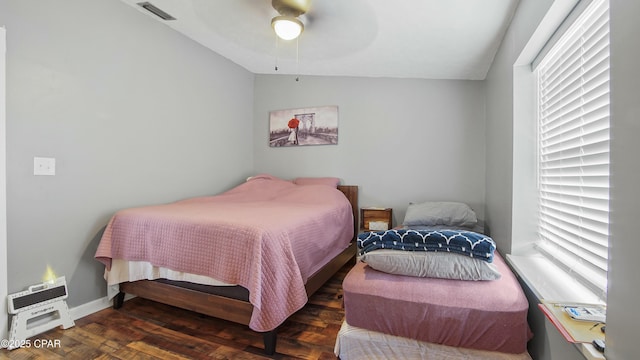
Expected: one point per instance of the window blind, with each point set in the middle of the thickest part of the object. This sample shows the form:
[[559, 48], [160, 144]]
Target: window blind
[[573, 134]]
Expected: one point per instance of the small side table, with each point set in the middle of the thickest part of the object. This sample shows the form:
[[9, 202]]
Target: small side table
[[376, 218]]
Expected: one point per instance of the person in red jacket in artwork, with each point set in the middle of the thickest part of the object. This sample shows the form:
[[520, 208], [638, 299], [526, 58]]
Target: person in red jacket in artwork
[[293, 125]]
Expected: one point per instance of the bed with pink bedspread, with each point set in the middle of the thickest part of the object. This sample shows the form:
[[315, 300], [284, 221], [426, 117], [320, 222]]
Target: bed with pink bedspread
[[480, 315], [268, 236], [432, 304]]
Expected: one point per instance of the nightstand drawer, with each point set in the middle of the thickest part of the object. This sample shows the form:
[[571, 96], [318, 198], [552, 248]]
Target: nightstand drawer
[[380, 217]]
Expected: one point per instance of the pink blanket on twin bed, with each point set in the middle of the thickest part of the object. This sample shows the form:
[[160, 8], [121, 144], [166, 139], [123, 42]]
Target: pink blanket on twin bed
[[483, 315], [268, 235]]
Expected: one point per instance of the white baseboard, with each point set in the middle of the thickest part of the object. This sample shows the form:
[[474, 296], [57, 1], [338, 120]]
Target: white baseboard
[[93, 307]]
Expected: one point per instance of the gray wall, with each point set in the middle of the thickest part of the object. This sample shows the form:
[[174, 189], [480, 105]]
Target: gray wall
[[400, 140], [4, 320], [134, 114], [623, 293], [624, 283], [548, 343], [499, 107]]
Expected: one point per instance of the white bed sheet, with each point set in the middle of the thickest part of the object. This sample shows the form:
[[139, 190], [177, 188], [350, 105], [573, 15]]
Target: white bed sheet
[[355, 343], [124, 270]]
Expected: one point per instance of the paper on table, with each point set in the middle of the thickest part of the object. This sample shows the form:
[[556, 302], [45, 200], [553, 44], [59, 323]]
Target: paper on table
[[378, 225], [573, 330]]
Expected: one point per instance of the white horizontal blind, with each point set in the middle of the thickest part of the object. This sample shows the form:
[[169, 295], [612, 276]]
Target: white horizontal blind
[[573, 167]]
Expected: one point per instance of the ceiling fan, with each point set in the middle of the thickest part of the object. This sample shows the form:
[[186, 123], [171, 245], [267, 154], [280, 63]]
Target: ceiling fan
[[287, 25]]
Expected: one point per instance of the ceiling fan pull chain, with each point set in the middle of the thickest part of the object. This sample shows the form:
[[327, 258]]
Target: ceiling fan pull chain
[[276, 67], [297, 59]]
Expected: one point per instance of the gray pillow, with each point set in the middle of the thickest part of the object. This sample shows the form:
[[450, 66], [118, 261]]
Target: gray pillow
[[443, 265], [440, 213]]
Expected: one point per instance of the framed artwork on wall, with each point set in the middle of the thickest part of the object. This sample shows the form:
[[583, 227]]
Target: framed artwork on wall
[[305, 126]]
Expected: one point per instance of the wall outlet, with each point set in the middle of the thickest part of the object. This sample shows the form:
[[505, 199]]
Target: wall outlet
[[44, 166]]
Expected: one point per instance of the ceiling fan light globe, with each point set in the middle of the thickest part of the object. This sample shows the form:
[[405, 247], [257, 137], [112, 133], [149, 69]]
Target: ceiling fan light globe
[[287, 27]]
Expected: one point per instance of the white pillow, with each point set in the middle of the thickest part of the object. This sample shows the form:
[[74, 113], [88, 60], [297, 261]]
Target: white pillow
[[443, 265], [440, 213]]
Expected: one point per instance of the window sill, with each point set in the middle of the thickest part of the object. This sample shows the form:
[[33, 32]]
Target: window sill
[[548, 281]]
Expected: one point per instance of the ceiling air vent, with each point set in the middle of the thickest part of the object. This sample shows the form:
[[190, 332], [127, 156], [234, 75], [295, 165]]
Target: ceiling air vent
[[156, 11]]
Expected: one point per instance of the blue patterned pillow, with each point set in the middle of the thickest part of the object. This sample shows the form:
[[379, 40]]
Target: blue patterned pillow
[[463, 242]]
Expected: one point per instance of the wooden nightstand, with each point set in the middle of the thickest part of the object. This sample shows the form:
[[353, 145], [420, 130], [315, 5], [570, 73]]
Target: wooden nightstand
[[381, 217]]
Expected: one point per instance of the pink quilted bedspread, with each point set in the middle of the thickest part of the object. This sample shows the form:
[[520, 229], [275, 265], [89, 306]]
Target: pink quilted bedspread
[[267, 234], [482, 315]]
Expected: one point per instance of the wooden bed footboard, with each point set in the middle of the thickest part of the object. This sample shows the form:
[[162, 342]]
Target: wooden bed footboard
[[237, 310]]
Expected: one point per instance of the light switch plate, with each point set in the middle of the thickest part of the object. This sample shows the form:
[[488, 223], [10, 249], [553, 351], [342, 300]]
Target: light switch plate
[[44, 166]]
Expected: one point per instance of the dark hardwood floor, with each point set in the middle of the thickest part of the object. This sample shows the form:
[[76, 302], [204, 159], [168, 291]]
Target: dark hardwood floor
[[144, 329]]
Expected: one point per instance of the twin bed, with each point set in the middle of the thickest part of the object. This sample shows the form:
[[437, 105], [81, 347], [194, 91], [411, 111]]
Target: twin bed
[[433, 289], [251, 255]]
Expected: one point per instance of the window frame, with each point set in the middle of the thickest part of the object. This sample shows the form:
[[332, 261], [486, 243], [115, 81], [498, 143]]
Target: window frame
[[545, 279], [564, 232]]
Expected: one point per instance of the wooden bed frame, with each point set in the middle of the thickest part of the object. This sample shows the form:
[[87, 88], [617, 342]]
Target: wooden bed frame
[[235, 306]]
